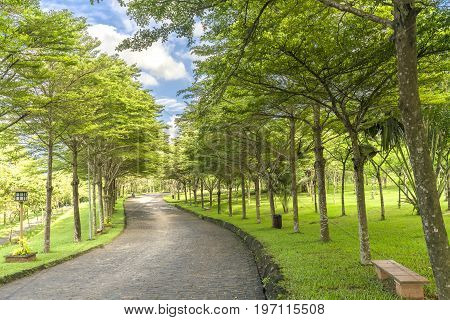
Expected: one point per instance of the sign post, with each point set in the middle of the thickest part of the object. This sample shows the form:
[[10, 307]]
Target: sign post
[[21, 196]]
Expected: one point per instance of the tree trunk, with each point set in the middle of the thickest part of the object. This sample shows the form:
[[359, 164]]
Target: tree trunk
[[75, 193], [249, 193], [315, 193], [416, 139], [358, 162], [185, 194], [271, 197], [110, 200], [195, 194], [292, 163], [334, 186], [94, 197], [100, 199], [244, 208], [372, 193], [230, 199], [400, 182], [448, 191], [219, 209], [201, 194], [48, 202], [344, 164], [380, 189], [106, 202], [210, 198], [320, 176], [257, 200]]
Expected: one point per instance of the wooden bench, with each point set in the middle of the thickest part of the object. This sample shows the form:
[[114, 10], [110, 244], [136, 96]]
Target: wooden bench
[[408, 284]]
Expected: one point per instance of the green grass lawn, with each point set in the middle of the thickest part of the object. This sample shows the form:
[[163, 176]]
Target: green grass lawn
[[316, 270], [6, 228], [62, 244]]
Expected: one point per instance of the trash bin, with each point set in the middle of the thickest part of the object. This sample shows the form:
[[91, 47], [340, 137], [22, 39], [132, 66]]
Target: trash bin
[[277, 221]]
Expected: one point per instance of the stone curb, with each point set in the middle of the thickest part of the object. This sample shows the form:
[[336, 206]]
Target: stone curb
[[269, 271], [24, 273]]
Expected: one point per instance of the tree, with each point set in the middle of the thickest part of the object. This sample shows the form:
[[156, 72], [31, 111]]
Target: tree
[[225, 17]]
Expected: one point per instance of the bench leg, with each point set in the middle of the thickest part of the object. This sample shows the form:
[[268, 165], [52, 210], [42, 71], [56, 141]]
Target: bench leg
[[409, 291], [381, 274]]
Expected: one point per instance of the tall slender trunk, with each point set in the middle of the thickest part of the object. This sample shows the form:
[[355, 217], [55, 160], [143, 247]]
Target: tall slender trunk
[[185, 193], [210, 198], [448, 191], [380, 190], [400, 183], [293, 163], [100, 199], [334, 186], [94, 197], [320, 176], [244, 208], [271, 197], [372, 193], [219, 209], [108, 199], [315, 192], [358, 162], [105, 202], [249, 193], [257, 200], [230, 199], [116, 190], [344, 164], [195, 192], [201, 193], [48, 202], [75, 193], [416, 139]]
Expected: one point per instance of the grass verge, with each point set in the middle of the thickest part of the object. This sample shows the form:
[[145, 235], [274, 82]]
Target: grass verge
[[316, 270], [63, 247]]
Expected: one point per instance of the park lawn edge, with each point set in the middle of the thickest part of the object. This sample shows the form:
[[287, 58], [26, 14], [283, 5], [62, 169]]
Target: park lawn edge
[[45, 265], [373, 289], [269, 271]]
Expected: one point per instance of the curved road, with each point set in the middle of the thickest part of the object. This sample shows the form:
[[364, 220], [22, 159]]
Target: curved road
[[164, 253]]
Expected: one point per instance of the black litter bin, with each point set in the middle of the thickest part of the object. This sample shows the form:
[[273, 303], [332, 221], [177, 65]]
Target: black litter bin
[[277, 221]]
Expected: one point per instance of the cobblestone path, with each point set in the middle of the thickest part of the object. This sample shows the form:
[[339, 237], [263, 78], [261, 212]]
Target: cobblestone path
[[164, 253]]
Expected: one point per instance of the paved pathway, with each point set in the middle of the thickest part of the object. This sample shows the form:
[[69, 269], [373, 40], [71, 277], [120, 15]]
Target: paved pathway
[[164, 253]]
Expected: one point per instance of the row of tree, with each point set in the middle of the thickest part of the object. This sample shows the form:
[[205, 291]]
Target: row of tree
[[72, 109], [280, 79]]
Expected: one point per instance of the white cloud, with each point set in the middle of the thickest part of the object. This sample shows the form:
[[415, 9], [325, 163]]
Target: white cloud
[[128, 24], [148, 80], [171, 105], [172, 131], [198, 30], [155, 61]]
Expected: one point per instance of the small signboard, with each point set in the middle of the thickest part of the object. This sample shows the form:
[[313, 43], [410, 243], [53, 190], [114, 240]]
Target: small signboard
[[21, 196]]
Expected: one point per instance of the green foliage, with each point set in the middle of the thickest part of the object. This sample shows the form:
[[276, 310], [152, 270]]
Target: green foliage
[[23, 249]]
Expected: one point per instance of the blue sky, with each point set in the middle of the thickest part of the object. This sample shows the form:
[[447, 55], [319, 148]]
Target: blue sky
[[166, 67]]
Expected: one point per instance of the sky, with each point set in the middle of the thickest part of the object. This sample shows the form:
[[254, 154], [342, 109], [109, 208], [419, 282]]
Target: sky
[[166, 67]]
